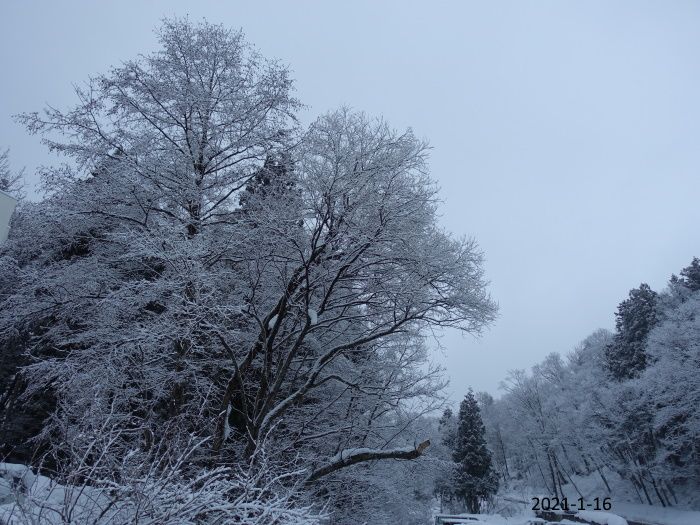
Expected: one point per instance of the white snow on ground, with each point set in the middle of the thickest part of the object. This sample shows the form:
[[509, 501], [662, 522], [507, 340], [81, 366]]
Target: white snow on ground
[[26, 498], [13, 478], [643, 513], [29, 498], [496, 519], [653, 515], [602, 518], [622, 492]]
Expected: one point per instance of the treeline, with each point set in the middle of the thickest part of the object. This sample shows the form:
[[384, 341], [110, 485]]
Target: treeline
[[621, 404]]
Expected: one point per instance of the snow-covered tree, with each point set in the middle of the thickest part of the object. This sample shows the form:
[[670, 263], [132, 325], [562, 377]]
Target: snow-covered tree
[[162, 145], [475, 480], [210, 270], [11, 183], [672, 388], [443, 448], [690, 275], [634, 318], [637, 431]]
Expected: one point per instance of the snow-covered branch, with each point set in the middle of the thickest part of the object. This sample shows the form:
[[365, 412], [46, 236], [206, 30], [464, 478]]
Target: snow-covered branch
[[348, 457]]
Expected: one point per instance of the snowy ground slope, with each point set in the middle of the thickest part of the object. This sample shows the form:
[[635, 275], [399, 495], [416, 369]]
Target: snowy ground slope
[[633, 512], [601, 518], [625, 501], [647, 514], [28, 498], [653, 515], [598, 518]]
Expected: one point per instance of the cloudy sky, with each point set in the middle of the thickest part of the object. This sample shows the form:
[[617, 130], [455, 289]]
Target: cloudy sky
[[565, 134]]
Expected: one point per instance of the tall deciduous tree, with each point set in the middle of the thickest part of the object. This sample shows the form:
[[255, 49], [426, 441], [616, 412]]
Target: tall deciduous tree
[[211, 270]]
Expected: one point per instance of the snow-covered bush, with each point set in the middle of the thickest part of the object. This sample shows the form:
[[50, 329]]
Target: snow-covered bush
[[148, 490]]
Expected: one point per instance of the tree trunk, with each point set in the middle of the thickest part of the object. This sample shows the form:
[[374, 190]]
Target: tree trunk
[[552, 474]]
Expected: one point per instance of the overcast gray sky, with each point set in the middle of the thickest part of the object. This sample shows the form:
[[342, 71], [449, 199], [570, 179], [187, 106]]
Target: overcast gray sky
[[565, 134]]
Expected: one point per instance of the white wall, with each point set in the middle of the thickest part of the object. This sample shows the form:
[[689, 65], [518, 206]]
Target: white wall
[[7, 206]]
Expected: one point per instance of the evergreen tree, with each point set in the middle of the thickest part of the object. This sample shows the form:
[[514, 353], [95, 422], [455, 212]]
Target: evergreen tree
[[275, 178], [690, 275], [444, 483], [475, 477], [634, 319], [447, 428]]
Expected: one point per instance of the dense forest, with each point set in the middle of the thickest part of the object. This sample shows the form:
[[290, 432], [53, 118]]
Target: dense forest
[[622, 407], [218, 315]]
